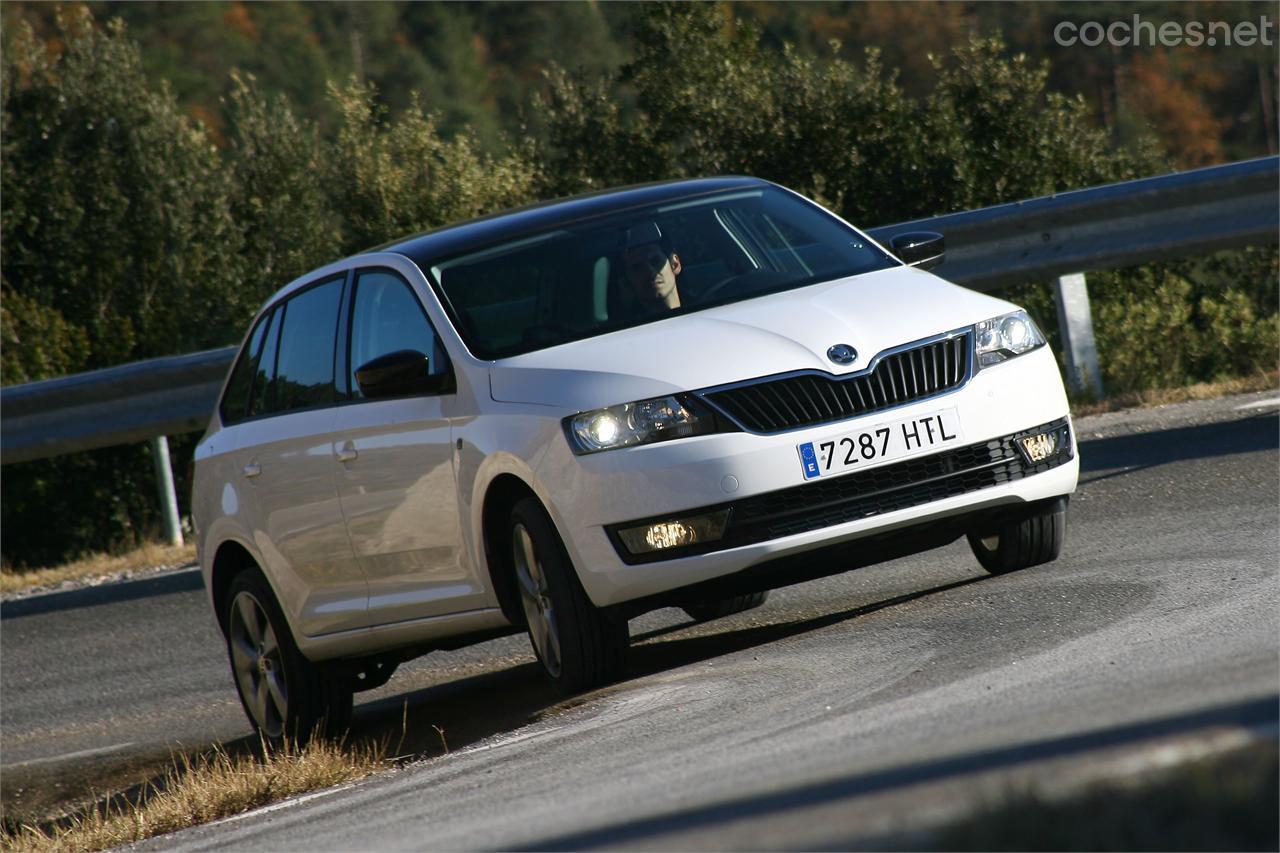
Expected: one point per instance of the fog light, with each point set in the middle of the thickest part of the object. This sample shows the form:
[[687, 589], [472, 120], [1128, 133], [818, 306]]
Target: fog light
[[675, 532], [1040, 447]]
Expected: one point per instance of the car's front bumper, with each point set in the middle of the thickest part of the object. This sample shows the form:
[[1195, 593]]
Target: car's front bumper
[[776, 512], [878, 491]]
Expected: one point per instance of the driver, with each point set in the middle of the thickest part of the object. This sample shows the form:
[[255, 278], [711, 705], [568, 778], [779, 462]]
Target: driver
[[651, 270]]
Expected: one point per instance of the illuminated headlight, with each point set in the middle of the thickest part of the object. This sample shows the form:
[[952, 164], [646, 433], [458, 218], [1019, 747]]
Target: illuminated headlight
[[644, 422], [1002, 338], [674, 532]]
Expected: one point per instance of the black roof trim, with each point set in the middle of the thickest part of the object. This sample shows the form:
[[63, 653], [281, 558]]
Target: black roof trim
[[505, 225]]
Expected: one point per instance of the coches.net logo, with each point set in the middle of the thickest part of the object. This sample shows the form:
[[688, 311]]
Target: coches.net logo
[[1138, 32]]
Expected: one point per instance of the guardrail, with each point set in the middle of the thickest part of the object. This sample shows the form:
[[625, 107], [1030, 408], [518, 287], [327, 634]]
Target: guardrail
[[1115, 225], [1058, 236], [118, 405]]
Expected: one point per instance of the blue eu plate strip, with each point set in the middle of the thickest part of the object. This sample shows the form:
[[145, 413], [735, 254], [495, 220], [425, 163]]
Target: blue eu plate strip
[[809, 461]]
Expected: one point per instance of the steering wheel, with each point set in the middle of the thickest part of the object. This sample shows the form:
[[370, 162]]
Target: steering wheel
[[710, 293], [750, 281]]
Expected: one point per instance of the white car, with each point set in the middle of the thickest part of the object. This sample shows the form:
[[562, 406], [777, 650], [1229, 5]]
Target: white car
[[556, 418]]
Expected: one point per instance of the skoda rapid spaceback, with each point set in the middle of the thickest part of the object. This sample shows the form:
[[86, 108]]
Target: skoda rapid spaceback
[[556, 418]]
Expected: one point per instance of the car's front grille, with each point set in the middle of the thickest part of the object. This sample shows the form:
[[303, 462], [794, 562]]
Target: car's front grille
[[828, 501], [774, 405]]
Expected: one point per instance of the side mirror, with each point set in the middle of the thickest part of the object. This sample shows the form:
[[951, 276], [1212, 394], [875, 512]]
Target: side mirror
[[923, 249], [396, 374]]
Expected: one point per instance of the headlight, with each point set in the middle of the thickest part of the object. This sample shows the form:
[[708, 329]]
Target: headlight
[[644, 422], [1001, 338]]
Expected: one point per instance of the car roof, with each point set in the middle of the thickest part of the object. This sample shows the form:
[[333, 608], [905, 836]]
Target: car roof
[[426, 248]]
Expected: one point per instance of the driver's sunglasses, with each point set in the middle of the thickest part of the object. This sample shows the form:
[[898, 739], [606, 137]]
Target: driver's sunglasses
[[652, 261]]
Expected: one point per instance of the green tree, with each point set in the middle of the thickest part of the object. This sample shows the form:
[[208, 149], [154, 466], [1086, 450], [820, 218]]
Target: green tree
[[115, 206], [991, 132], [711, 99], [455, 81], [36, 341], [281, 209], [391, 178]]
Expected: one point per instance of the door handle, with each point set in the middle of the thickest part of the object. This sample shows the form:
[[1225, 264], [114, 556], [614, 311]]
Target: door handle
[[347, 453], [251, 470]]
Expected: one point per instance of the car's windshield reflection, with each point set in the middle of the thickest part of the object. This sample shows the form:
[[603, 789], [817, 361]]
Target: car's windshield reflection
[[645, 265]]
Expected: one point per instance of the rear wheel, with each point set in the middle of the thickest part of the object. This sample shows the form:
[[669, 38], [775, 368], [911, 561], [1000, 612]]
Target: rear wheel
[[1017, 545], [579, 645], [285, 696], [708, 610]]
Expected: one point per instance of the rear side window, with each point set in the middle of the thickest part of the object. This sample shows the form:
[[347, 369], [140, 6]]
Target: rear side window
[[387, 317], [262, 398], [235, 402], [304, 367]]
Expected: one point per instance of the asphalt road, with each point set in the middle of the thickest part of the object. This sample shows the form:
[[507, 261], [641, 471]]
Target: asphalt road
[[842, 712]]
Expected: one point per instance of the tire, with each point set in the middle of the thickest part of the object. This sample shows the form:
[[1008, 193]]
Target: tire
[[579, 645], [286, 697], [1017, 545], [706, 611]]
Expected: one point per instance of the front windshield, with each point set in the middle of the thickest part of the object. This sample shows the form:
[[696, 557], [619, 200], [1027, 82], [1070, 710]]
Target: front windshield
[[647, 264]]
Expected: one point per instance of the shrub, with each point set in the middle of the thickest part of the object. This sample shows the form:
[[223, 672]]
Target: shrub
[[115, 205], [36, 341], [391, 178], [709, 99], [278, 199]]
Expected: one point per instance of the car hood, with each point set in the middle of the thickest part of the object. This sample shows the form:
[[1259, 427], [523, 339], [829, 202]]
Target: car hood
[[766, 335]]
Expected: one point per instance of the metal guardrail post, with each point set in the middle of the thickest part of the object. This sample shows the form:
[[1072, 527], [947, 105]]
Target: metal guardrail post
[[1075, 322], [168, 495]]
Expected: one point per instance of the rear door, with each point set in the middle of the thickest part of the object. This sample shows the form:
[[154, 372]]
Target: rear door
[[395, 475], [285, 450]]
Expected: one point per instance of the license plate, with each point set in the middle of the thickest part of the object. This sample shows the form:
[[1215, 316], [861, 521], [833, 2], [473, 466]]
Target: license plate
[[880, 443]]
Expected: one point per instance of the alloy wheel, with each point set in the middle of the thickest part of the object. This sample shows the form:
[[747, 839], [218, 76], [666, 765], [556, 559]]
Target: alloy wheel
[[258, 664], [535, 595]]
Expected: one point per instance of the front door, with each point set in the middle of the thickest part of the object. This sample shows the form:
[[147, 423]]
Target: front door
[[395, 474]]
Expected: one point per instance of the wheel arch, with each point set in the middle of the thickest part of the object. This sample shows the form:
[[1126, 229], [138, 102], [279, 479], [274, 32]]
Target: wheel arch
[[229, 560], [502, 494]]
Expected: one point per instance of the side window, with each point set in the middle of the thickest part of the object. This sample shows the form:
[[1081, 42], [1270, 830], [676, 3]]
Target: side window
[[387, 317], [235, 402], [263, 395], [304, 368]]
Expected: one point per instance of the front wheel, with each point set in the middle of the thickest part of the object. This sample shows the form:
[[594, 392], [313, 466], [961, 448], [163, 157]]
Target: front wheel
[[286, 696], [1017, 545], [579, 645]]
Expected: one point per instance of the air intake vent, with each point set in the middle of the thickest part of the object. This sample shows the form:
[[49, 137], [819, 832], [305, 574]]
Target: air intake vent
[[774, 405]]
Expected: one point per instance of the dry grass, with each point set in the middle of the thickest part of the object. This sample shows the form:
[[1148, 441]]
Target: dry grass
[[198, 790], [1264, 381], [104, 566]]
